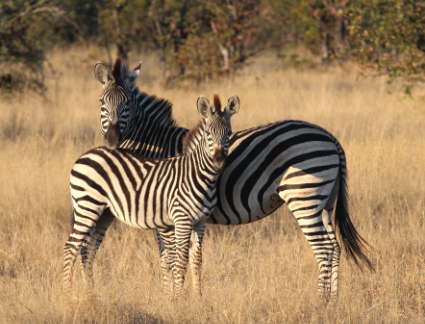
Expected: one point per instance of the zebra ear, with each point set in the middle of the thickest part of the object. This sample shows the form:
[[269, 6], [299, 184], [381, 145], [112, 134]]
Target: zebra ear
[[101, 73], [232, 106], [133, 76], [204, 107]]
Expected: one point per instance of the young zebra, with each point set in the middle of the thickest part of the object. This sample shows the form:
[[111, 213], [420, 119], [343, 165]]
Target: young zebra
[[175, 196], [290, 162]]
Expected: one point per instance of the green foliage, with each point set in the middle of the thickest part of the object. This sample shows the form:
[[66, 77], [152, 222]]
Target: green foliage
[[25, 32], [121, 22], [389, 36], [205, 39], [384, 36], [295, 22], [221, 39]]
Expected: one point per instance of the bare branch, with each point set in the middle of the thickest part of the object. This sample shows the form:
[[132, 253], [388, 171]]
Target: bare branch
[[29, 11]]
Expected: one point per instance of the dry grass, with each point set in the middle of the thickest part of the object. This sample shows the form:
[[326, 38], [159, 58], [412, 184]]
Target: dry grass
[[259, 273]]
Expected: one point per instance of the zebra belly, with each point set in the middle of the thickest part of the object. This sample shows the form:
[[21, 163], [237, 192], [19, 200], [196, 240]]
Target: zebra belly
[[98, 177], [142, 221]]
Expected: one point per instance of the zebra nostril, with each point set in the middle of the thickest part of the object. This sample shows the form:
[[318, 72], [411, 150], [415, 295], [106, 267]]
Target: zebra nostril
[[219, 156]]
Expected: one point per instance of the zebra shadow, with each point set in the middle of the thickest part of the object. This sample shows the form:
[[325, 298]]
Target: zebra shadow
[[92, 309]]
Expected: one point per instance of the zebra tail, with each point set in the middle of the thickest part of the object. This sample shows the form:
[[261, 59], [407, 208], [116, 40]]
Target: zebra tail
[[353, 242]]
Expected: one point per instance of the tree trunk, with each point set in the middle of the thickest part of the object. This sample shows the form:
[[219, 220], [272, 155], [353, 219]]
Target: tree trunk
[[122, 49], [180, 35], [324, 48], [340, 30]]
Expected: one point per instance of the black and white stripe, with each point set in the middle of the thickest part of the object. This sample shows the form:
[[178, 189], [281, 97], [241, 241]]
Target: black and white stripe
[[175, 196], [288, 161]]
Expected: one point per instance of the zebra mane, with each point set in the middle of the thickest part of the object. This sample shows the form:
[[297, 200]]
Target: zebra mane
[[161, 108], [119, 69], [217, 103], [191, 139]]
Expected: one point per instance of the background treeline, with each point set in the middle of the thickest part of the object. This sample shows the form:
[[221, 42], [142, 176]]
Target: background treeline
[[204, 39]]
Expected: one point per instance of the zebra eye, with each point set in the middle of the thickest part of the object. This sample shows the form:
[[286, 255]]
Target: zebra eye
[[101, 101], [208, 132]]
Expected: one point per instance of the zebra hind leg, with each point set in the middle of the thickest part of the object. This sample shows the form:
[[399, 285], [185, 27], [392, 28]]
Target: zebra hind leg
[[92, 244], [323, 249], [312, 225], [333, 280], [82, 226], [70, 252]]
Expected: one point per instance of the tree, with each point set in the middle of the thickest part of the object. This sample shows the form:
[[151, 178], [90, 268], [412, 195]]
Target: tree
[[388, 36], [22, 24], [120, 23], [170, 22], [222, 38], [319, 25]]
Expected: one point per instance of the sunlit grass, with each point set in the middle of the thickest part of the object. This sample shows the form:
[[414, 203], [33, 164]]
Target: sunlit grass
[[264, 272]]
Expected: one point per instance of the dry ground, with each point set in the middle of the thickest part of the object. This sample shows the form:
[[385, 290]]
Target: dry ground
[[259, 273]]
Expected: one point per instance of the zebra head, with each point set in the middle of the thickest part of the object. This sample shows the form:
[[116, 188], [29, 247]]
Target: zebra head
[[117, 100], [218, 128]]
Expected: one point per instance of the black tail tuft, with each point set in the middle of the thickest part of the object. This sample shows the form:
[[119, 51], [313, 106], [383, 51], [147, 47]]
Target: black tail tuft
[[353, 242]]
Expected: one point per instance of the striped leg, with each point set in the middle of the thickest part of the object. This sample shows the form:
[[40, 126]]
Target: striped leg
[[84, 221], [312, 225], [195, 255], [327, 221], [167, 253], [92, 244], [323, 249], [183, 230], [72, 246]]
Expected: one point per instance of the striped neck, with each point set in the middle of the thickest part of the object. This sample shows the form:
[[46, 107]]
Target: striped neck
[[197, 147], [194, 137], [152, 132]]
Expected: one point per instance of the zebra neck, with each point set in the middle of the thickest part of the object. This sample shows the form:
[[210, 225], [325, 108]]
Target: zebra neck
[[202, 163], [194, 137], [197, 150], [152, 129]]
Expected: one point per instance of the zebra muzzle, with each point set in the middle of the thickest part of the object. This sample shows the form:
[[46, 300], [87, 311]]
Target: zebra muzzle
[[219, 156], [112, 136]]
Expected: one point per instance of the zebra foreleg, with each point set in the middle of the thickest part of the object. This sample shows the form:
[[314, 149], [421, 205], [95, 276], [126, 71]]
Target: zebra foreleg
[[195, 255], [183, 230], [92, 244], [166, 242]]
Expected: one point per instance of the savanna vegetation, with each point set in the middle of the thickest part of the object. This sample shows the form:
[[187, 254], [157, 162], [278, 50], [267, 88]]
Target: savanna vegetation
[[285, 60], [263, 272], [204, 39]]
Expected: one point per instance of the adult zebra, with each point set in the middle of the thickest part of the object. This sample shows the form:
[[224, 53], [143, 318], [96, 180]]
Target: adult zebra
[[174, 195], [288, 161]]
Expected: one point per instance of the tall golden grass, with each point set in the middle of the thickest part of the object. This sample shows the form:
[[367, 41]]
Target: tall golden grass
[[259, 273]]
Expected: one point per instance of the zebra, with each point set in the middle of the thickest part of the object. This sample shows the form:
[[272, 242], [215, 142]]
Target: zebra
[[292, 162], [174, 195]]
